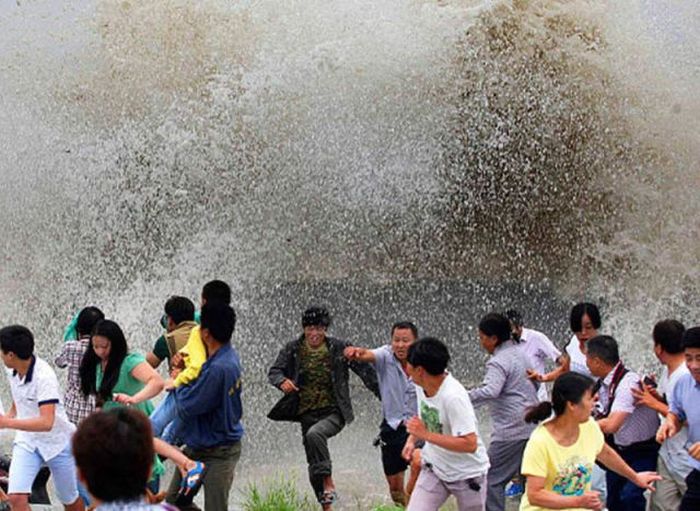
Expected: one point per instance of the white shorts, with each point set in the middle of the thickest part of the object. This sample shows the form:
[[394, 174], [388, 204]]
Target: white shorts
[[26, 465]]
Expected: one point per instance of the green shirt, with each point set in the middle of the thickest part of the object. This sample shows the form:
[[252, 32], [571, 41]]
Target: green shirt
[[316, 390], [127, 384], [160, 349]]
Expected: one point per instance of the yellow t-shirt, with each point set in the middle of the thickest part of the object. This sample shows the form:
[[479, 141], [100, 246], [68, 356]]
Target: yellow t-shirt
[[566, 470]]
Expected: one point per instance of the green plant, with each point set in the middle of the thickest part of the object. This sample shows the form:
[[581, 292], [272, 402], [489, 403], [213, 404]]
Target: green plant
[[277, 494]]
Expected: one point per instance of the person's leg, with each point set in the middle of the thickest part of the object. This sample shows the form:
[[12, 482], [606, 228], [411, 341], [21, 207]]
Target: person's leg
[[222, 463], [414, 473], [470, 494], [173, 432], [614, 483], [429, 494], [506, 458], [65, 479], [631, 495], [317, 453], [164, 414], [691, 499], [23, 469], [394, 465], [668, 493]]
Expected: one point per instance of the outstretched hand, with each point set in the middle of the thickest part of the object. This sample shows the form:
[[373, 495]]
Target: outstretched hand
[[352, 352], [646, 480]]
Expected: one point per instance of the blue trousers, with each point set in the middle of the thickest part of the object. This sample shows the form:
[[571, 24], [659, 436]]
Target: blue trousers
[[624, 495]]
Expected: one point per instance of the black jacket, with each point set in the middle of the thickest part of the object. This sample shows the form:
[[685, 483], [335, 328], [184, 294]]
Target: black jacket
[[287, 366]]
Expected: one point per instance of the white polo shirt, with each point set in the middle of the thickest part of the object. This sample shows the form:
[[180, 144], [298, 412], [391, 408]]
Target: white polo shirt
[[38, 387]]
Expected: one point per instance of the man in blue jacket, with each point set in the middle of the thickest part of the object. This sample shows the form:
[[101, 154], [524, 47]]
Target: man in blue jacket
[[211, 409]]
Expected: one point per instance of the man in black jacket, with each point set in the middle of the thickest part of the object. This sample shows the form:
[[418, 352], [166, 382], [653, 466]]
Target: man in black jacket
[[313, 373]]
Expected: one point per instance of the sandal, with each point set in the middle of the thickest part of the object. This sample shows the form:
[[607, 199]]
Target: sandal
[[328, 497], [191, 484]]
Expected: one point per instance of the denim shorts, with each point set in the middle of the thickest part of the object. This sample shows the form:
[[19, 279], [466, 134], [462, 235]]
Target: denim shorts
[[26, 464]]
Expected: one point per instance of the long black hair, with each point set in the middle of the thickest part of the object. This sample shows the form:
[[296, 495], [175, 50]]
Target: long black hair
[[88, 367], [568, 388]]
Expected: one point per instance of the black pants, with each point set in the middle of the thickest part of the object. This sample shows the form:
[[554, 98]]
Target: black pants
[[392, 443], [691, 499], [317, 426], [623, 495]]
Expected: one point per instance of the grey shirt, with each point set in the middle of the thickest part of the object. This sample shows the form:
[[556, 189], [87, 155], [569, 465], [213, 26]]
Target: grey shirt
[[509, 392], [397, 390]]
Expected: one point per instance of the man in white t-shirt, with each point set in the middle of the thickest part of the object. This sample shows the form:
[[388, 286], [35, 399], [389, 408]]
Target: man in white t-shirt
[[43, 429], [674, 463], [536, 346], [454, 458]]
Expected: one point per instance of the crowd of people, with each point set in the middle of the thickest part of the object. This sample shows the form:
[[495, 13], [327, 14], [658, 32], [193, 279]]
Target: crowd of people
[[606, 438]]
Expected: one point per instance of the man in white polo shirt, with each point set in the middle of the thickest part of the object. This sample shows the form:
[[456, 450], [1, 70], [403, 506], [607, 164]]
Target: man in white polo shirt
[[43, 430]]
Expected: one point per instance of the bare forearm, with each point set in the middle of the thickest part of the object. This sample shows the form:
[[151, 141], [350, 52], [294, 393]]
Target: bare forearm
[[36, 424], [152, 389], [453, 443], [549, 500], [614, 462]]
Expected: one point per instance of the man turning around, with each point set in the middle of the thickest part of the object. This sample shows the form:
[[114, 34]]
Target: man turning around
[[398, 401], [313, 373], [454, 457]]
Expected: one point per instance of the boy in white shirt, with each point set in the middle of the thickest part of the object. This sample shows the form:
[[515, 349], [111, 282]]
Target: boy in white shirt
[[43, 429], [454, 458]]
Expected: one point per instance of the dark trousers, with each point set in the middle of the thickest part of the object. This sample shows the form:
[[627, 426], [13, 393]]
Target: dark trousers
[[317, 426], [691, 499], [222, 462], [506, 458], [624, 495]]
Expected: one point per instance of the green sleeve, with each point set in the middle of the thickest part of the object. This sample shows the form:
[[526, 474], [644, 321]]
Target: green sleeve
[[131, 361], [160, 348]]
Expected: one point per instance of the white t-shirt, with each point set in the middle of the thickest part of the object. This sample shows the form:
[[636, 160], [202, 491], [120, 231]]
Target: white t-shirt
[[578, 358], [38, 387], [450, 412], [539, 349], [673, 451]]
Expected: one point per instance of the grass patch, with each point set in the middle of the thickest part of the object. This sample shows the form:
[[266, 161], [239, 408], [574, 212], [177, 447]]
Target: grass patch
[[278, 494]]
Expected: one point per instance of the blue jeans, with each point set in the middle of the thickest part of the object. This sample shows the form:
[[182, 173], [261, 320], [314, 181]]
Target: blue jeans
[[165, 421]]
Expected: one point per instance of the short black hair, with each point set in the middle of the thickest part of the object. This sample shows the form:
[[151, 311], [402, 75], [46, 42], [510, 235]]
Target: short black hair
[[316, 316], [581, 309], [668, 334], [514, 317], [429, 353], [216, 291], [220, 320], [605, 348], [87, 319], [114, 451], [17, 339], [496, 324], [405, 325], [691, 338], [179, 309]]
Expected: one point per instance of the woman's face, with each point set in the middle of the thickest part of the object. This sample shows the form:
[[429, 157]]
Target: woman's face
[[488, 342], [588, 331], [102, 346], [582, 410]]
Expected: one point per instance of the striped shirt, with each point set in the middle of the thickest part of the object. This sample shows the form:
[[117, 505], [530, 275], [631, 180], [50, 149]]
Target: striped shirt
[[508, 390], [641, 423]]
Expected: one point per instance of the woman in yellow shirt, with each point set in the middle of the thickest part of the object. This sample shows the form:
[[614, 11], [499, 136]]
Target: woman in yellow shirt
[[559, 457]]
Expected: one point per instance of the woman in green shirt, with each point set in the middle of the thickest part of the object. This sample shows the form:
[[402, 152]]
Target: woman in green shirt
[[117, 377]]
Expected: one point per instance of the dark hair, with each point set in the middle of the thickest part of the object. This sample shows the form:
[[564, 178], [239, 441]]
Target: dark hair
[[514, 317], [691, 338], [17, 339], [405, 325], [581, 309], [220, 320], [87, 319], [429, 353], [605, 348], [114, 452], [117, 353], [316, 316], [216, 291], [568, 388], [179, 309], [669, 335], [496, 324]]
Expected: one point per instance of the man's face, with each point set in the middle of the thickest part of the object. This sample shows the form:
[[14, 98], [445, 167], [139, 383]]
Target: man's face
[[416, 374], [8, 359], [517, 330], [401, 340], [692, 360], [588, 331], [315, 335], [595, 366]]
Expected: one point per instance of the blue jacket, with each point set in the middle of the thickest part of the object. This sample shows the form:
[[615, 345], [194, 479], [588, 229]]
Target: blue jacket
[[211, 406]]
